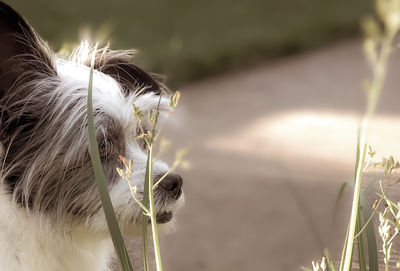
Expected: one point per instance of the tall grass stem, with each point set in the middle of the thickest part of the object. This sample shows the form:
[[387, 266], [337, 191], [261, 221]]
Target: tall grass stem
[[154, 229], [101, 182], [373, 92]]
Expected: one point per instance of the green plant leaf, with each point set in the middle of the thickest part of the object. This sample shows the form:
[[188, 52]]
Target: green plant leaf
[[111, 219], [370, 233], [362, 261]]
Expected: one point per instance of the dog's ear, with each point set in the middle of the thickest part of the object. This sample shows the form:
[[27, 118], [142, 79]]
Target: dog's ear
[[117, 65], [22, 52]]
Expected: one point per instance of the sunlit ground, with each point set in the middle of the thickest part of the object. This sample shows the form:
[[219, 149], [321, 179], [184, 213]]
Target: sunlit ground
[[313, 135]]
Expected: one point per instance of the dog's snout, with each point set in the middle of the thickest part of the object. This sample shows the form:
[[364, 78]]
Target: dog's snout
[[172, 184]]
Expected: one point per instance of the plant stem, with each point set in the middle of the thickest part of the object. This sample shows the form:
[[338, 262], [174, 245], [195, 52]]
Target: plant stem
[[145, 218], [146, 211], [374, 91], [386, 263], [145, 246], [362, 261], [354, 211], [174, 166], [152, 211], [370, 217]]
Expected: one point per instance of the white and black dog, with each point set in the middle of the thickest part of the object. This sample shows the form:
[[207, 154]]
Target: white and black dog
[[51, 216]]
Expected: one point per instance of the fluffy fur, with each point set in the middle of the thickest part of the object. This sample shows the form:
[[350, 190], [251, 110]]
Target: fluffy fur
[[50, 212]]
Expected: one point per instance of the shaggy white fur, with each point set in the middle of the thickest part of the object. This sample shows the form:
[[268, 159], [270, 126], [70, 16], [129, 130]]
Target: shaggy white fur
[[28, 243]]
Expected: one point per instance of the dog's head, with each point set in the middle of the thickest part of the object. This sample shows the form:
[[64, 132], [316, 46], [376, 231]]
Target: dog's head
[[46, 165]]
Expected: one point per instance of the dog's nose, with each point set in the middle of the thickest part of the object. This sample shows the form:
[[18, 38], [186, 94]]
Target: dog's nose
[[172, 184]]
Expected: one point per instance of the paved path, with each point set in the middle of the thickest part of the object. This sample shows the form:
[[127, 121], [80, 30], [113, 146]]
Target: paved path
[[270, 147]]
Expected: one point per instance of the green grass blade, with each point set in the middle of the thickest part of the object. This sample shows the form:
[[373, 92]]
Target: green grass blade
[[357, 154], [354, 212], [370, 233], [360, 247], [111, 219], [328, 260], [145, 218], [360, 244], [344, 249]]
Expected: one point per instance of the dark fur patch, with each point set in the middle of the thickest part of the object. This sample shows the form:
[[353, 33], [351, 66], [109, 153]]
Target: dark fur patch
[[24, 58], [23, 55], [117, 65]]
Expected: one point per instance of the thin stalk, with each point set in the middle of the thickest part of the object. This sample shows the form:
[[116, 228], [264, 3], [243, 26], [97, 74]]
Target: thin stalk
[[328, 260], [344, 249], [145, 218], [372, 249], [145, 246], [354, 211], [374, 91], [152, 211], [370, 217], [148, 200], [386, 262], [174, 166], [133, 193]]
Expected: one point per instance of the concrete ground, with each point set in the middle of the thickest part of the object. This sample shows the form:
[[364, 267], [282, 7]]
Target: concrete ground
[[269, 148]]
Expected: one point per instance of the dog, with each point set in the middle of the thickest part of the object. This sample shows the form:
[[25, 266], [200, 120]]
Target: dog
[[51, 216]]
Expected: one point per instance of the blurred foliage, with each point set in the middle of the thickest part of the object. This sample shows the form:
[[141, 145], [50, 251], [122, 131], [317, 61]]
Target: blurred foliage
[[190, 39]]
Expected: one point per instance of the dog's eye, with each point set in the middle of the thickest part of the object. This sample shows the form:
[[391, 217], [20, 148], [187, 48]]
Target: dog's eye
[[106, 147]]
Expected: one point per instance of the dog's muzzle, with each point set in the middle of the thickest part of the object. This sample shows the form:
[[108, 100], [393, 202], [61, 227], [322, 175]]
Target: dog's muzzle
[[171, 186], [171, 189]]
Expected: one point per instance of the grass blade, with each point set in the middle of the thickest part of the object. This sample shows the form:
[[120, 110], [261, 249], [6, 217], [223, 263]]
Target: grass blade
[[355, 206], [344, 249], [328, 260], [362, 261], [111, 219], [370, 233]]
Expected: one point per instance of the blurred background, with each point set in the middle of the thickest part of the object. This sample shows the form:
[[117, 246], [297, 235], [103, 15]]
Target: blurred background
[[189, 39], [271, 99]]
